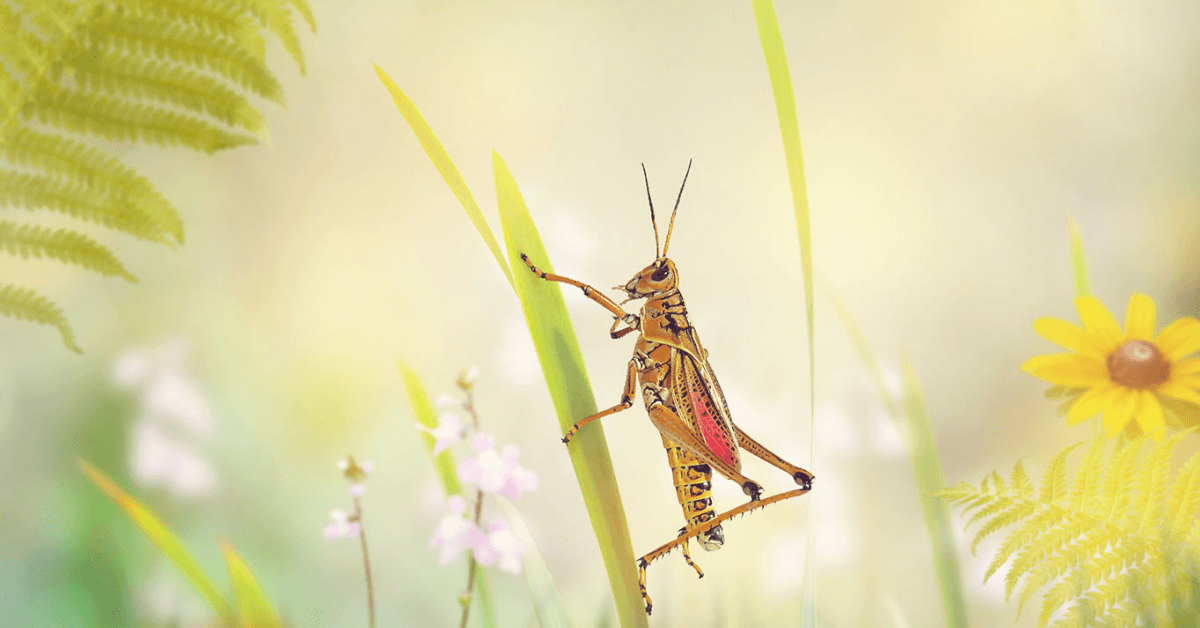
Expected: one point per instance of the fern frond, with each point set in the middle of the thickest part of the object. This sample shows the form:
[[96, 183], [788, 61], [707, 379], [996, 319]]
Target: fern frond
[[1021, 482], [1184, 499], [162, 72], [1054, 483], [60, 244], [1033, 528], [184, 44], [158, 81], [1152, 485], [1120, 550], [25, 304], [1088, 479], [94, 170], [76, 201], [121, 120]]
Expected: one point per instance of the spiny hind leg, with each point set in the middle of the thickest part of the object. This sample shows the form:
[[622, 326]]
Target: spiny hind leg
[[673, 428], [626, 403], [801, 476]]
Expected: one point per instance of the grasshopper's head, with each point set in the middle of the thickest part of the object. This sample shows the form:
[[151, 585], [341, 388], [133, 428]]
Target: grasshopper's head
[[660, 276]]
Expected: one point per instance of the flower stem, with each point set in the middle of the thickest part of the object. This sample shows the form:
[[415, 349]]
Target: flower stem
[[471, 564], [362, 537]]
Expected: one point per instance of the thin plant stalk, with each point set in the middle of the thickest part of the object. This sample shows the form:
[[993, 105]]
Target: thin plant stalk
[[362, 537], [472, 564]]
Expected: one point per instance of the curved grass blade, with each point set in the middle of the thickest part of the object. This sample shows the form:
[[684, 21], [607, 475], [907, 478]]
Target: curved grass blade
[[928, 471], [444, 463], [423, 408], [1078, 263], [789, 130], [548, 605], [167, 543], [566, 377], [441, 160], [253, 606]]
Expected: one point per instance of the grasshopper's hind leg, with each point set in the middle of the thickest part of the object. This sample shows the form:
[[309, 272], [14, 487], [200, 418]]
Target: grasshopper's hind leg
[[673, 428], [801, 476]]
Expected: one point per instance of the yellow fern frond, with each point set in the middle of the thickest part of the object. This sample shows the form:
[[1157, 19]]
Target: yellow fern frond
[[60, 244], [1088, 479], [161, 72], [1120, 550], [25, 304]]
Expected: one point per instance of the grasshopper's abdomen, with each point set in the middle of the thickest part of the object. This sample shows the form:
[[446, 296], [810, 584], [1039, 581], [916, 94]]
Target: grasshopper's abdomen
[[693, 488]]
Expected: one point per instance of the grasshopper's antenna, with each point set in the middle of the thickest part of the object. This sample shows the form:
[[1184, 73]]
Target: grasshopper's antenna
[[671, 227], [652, 221]]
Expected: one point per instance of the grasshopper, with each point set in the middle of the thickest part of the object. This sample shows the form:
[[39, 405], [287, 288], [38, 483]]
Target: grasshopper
[[684, 400]]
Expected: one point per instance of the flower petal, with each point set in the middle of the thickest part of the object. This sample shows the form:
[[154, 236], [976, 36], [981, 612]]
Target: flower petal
[[1120, 412], [1149, 414], [1069, 369], [1140, 317], [1190, 366], [1092, 402], [1180, 338], [1180, 391], [1069, 336], [1097, 320]]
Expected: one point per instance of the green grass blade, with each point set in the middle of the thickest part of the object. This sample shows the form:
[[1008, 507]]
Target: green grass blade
[[423, 408], [447, 472], [868, 358], [441, 160], [253, 606], [167, 543], [548, 605], [562, 365], [789, 130], [928, 470], [1078, 263]]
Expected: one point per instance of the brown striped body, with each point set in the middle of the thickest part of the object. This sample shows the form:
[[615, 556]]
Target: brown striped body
[[693, 489]]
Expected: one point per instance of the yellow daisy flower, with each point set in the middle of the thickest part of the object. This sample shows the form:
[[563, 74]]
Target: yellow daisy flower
[[1126, 374]]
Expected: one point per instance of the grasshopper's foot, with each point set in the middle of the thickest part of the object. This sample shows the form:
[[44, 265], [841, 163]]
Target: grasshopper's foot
[[753, 489], [804, 479], [525, 258]]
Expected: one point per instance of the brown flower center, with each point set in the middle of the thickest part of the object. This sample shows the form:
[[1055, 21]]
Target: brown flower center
[[1138, 364]]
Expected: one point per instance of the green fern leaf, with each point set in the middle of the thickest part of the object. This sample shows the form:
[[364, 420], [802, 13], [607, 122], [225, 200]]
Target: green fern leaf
[[1184, 499], [1121, 550], [1152, 485], [25, 304], [1054, 483], [1021, 537], [60, 244], [1021, 483], [1016, 512], [161, 72], [1088, 479]]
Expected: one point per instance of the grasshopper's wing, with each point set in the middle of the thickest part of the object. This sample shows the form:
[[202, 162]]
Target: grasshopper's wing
[[703, 407]]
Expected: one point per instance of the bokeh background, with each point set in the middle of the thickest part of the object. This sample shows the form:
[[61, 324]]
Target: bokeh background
[[946, 144]]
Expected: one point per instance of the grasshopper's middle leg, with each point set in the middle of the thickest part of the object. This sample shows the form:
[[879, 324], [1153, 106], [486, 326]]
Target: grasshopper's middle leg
[[801, 476], [626, 403], [593, 294]]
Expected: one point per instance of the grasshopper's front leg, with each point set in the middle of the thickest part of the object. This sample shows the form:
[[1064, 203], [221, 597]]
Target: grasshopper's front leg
[[801, 476], [626, 403], [622, 316]]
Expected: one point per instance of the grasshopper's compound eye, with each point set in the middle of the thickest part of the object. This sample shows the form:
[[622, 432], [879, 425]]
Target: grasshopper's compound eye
[[661, 274]]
